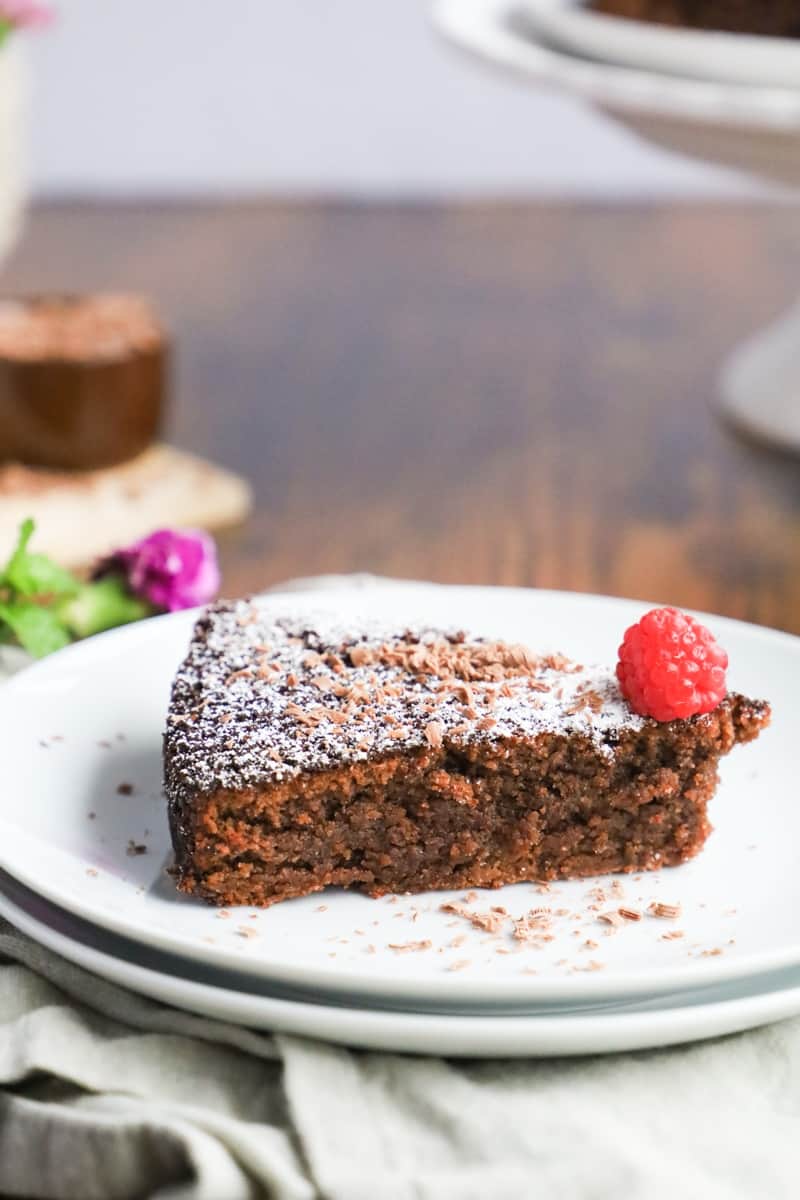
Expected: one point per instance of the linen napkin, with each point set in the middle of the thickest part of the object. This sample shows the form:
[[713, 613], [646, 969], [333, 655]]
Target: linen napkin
[[105, 1095]]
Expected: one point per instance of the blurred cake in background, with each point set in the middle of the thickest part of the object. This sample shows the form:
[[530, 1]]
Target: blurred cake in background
[[83, 380], [84, 390], [776, 18]]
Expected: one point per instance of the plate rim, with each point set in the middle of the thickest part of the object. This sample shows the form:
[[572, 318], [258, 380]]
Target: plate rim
[[451, 1034], [482, 29], [566, 21]]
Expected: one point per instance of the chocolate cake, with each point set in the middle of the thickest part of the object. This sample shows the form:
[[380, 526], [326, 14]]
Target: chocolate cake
[[300, 755], [776, 18], [82, 380]]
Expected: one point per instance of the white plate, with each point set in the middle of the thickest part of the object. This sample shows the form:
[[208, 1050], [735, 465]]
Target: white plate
[[746, 128], [691, 1017], [735, 58], [504, 33], [106, 699]]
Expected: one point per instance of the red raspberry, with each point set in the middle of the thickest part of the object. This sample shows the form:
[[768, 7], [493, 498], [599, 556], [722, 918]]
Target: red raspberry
[[671, 667]]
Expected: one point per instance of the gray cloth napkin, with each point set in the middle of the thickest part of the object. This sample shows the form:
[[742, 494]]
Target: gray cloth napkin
[[105, 1095]]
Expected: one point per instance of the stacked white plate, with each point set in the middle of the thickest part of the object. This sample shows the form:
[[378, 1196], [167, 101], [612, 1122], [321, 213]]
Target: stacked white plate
[[724, 98], [85, 852], [705, 54]]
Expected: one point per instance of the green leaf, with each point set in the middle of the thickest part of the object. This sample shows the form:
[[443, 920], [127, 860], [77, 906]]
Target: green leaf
[[102, 605], [35, 574], [25, 534], [38, 630]]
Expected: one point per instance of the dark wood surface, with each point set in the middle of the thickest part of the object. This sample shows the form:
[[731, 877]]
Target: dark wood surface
[[496, 394]]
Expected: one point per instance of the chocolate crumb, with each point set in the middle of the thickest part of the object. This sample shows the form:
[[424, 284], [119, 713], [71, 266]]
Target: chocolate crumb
[[666, 912], [488, 922], [434, 732], [613, 918]]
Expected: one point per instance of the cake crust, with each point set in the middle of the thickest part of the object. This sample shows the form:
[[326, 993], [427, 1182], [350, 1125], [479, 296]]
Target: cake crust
[[299, 755]]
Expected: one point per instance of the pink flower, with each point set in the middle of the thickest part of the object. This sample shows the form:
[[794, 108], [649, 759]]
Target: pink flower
[[171, 569], [25, 12]]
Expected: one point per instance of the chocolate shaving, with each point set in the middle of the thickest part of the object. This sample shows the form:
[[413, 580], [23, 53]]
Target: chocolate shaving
[[488, 922], [433, 734], [667, 912]]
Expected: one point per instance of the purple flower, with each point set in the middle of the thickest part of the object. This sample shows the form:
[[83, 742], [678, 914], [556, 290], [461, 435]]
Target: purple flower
[[171, 569], [24, 12]]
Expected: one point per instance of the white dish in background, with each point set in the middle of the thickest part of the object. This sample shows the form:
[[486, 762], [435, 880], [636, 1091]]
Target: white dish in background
[[106, 698], [736, 58], [752, 127], [690, 1017], [745, 128]]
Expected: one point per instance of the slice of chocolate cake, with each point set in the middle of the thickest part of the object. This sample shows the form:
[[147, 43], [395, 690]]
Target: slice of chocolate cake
[[299, 756]]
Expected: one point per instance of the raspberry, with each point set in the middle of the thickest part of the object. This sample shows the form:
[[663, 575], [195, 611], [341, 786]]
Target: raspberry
[[671, 667]]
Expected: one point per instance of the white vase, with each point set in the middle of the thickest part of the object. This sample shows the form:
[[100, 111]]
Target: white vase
[[13, 111]]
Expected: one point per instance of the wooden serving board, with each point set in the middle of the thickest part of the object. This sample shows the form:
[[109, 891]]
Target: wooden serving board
[[83, 515]]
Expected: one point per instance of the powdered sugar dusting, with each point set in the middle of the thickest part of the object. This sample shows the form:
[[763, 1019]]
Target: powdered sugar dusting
[[260, 699]]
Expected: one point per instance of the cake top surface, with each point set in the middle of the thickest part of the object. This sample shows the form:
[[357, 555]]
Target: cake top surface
[[261, 698], [77, 328]]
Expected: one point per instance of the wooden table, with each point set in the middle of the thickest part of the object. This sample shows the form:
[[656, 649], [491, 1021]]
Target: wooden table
[[498, 394]]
